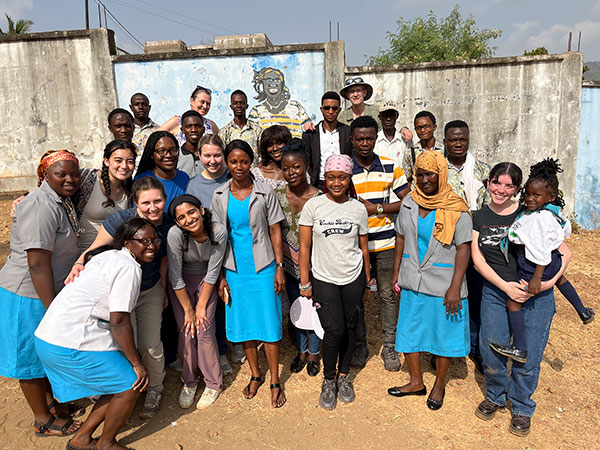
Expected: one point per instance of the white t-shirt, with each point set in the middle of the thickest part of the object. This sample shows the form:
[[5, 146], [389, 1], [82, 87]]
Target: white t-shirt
[[336, 256], [540, 233], [79, 316]]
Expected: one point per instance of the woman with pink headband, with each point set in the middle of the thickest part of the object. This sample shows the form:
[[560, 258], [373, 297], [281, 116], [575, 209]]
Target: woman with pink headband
[[335, 225], [43, 248]]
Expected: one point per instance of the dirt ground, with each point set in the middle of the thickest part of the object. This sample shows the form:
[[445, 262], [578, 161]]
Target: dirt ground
[[567, 416]]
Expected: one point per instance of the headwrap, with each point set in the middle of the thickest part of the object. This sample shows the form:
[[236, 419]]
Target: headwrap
[[446, 203], [48, 159], [186, 198], [51, 157], [339, 163]]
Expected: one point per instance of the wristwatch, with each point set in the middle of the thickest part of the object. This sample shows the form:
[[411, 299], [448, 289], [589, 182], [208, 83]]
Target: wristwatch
[[379, 209], [279, 265]]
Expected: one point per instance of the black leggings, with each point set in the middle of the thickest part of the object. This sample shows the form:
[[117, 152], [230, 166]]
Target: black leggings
[[338, 314]]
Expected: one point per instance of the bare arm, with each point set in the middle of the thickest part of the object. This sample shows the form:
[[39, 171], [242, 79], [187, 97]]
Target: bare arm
[[277, 243], [120, 327], [42, 274], [171, 125], [452, 298], [214, 126], [566, 259], [398, 252], [363, 242], [304, 258]]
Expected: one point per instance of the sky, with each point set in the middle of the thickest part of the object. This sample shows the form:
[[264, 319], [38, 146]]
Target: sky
[[525, 24]]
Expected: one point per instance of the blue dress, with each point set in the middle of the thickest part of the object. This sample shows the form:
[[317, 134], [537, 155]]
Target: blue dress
[[254, 310], [423, 325]]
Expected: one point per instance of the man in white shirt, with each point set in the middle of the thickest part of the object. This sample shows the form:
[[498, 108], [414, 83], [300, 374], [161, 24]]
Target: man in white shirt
[[390, 143]]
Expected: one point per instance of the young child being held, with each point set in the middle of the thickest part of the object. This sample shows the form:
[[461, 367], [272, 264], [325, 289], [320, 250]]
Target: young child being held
[[539, 231]]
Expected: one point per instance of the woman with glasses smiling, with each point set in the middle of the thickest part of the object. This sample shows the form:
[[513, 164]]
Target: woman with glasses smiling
[[149, 203]]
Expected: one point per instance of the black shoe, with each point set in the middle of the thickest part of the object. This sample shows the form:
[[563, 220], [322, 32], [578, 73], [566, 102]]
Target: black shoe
[[520, 425], [433, 362], [359, 356], [510, 352], [313, 368], [487, 410], [478, 361], [396, 392], [434, 405], [297, 364], [587, 316]]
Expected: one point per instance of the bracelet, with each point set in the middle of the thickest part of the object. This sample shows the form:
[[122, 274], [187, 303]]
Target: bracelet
[[77, 262], [304, 287]]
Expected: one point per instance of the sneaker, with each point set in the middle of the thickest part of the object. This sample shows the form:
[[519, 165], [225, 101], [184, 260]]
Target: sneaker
[[225, 366], [238, 355], [328, 397], [587, 316], [391, 362], [209, 396], [176, 365], [186, 396], [373, 285], [345, 389], [510, 352], [151, 405], [359, 356], [487, 409], [520, 425]]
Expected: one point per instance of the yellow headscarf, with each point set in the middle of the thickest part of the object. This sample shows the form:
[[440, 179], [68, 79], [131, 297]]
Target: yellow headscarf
[[446, 203]]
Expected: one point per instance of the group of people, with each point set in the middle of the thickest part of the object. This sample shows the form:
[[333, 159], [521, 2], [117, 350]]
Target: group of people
[[115, 273]]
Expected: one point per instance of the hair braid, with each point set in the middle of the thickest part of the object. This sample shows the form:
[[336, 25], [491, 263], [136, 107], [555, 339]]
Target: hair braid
[[109, 202]]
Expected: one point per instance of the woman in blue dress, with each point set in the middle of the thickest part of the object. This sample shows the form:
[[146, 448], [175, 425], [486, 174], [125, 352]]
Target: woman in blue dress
[[433, 235], [253, 266]]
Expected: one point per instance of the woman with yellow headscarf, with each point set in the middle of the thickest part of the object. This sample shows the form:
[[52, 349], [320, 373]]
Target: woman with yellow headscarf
[[433, 235]]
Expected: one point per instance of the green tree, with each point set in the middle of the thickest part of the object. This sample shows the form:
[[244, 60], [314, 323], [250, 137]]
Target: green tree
[[537, 51], [21, 26], [430, 39]]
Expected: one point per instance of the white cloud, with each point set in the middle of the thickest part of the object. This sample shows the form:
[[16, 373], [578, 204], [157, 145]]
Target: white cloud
[[15, 8]]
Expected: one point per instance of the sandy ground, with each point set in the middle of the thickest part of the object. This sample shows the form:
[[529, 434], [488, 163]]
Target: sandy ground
[[568, 413]]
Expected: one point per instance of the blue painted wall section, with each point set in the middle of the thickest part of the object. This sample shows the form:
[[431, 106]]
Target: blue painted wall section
[[169, 83], [587, 186]]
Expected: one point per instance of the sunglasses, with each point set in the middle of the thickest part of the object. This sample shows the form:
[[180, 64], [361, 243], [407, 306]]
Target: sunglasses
[[147, 241], [350, 81], [203, 89], [327, 107]]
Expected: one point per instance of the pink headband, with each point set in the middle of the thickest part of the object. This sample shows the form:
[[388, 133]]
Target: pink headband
[[339, 163]]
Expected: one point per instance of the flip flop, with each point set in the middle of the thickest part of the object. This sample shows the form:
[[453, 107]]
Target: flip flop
[[47, 428], [250, 394], [72, 447], [278, 386], [74, 410]]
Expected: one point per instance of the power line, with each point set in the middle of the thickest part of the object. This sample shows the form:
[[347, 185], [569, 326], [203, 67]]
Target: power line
[[120, 24]]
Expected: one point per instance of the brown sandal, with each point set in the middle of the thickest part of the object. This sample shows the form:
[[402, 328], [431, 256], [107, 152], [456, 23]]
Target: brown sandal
[[73, 410], [47, 428]]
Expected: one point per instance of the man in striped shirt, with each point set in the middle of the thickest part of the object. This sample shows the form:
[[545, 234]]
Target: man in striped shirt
[[375, 178]]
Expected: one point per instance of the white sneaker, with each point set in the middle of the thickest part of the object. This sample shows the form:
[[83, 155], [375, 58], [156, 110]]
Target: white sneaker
[[151, 405], [186, 396], [176, 365], [209, 396], [238, 355], [225, 366]]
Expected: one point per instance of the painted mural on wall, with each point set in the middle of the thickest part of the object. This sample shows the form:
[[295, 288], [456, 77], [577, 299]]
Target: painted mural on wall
[[282, 88], [276, 107]]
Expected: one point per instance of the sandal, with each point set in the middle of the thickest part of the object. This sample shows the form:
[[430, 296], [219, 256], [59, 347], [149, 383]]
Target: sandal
[[275, 404], [47, 428], [74, 410], [92, 447], [247, 393]]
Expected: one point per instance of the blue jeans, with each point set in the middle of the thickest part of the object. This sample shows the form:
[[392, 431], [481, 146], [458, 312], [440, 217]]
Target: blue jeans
[[519, 386], [306, 340]]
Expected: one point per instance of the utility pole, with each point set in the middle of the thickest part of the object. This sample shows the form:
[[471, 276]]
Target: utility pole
[[87, 15]]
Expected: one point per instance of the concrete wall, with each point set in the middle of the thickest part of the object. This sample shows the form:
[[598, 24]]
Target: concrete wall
[[57, 89], [520, 109], [169, 78], [587, 185]]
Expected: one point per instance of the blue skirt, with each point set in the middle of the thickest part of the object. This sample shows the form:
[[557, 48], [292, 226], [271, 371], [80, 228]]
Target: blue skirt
[[19, 318], [76, 374], [424, 326]]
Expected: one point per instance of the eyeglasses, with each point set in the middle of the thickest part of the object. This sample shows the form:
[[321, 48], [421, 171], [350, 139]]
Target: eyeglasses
[[163, 151], [203, 89], [327, 107], [147, 241], [429, 126], [354, 80]]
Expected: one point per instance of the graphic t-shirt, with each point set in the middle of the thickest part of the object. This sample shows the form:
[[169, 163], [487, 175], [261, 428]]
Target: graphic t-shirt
[[492, 228], [336, 256]]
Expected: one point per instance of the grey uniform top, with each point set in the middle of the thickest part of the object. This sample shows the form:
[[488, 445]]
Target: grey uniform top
[[189, 163], [434, 274], [40, 222], [264, 211], [199, 258]]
